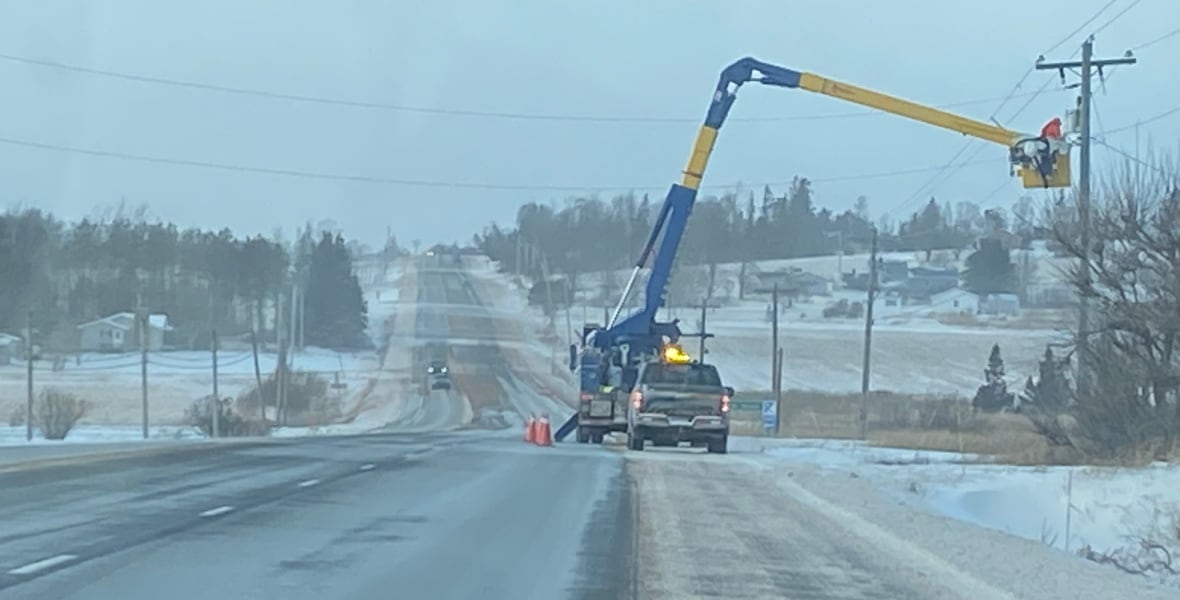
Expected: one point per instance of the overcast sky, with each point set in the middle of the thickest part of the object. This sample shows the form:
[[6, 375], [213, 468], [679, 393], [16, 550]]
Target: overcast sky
[[611, 58]]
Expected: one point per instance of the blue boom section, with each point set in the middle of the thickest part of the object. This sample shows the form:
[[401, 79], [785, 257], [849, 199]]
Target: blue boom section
[[640, 331]]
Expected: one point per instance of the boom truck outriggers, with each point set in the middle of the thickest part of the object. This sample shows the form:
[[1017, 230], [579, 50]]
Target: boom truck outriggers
[[608, 357]]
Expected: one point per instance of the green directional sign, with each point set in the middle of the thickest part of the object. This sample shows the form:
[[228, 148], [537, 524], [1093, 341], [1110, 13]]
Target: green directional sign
[[748, 405]]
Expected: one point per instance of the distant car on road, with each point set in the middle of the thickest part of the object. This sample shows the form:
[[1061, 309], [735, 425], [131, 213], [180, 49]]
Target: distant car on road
[[438, 375]]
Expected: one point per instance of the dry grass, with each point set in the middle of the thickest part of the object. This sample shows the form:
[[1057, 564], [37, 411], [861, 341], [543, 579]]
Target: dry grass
[[910, 422]]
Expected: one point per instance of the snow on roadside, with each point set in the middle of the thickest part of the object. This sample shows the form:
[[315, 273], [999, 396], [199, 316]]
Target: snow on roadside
[[93, 434], [1108, 507]]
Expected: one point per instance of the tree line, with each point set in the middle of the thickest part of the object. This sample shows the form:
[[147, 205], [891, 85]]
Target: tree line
[[65, 274], [591, 234]]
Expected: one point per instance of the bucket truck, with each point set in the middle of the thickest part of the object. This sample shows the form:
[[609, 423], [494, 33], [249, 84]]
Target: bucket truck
[[622, 346]]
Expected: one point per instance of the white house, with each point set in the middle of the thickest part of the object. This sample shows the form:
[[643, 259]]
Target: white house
[[119, 332], [954, 301]]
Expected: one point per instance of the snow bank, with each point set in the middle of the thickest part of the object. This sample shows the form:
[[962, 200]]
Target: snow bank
[[94, 434], [1067, 508]]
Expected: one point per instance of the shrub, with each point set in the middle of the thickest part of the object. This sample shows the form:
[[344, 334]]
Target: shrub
[[57, 413]]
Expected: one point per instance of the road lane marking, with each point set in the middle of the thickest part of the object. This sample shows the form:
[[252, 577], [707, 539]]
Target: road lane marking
[[368, 467], [41, 565], [215, 512], [308, 483]]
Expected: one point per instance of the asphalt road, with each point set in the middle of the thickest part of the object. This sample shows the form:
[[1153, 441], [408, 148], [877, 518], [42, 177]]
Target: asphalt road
[[459, 515]]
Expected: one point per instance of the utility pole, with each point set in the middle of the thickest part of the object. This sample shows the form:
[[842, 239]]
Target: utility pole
[[868, 350], [775, 382], [280, 363], [29, 391], [258, 374], [1087, 65], [704, 315], [143, 362], [216, 396]]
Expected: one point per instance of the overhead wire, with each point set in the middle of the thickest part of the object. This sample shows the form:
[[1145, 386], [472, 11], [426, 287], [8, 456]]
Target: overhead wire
[[313, 99], [326, 176], [950, 168]]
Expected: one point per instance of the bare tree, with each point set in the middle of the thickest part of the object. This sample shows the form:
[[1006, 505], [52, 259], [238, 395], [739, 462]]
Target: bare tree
[[1133, 288]]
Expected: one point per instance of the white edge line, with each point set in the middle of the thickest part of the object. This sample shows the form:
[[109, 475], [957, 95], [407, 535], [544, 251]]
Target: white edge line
[[368, 467], [309, 483], [220, 510], [41, 565]]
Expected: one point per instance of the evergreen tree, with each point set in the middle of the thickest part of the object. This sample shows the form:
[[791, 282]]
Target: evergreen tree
[[990, 270], [993, 395], [336, 313], [1050, 391]]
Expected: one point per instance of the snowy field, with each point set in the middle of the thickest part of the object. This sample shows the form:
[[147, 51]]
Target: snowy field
[[1069, 508], [913, 350], [111, 384]]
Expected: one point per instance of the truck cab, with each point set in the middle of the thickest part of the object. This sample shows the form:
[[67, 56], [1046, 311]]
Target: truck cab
[[679, 400]]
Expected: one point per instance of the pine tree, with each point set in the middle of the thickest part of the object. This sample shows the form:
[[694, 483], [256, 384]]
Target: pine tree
[[1051, 391], [993, 395], [989, 270], [336, 312]]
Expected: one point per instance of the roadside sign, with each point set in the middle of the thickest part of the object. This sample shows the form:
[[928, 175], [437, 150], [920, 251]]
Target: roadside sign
[[748, 405], [769, 414]]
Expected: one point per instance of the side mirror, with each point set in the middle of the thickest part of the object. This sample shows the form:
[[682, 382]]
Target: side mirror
[[573, 357], [729, 391]]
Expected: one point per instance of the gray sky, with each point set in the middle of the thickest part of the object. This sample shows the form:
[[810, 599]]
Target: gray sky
[[656, 58]]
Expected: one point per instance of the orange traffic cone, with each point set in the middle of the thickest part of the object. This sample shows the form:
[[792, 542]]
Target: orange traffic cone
[[530, 430], [544, 435]]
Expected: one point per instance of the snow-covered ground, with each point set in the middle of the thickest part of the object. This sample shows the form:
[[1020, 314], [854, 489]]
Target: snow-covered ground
[[913, 350], [1068, 508]]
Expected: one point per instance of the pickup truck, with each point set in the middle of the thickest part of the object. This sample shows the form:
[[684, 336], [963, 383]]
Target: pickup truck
[[675, 402]]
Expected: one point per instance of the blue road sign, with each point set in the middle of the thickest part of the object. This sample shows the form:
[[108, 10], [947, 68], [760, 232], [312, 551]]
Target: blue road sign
[[769, 414]]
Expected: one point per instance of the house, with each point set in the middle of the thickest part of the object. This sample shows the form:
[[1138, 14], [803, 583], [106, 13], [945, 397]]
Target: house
[[892, 270], [889, 303], [931, 280], [1000, 304], [790, 282], [120, 332], [954, 301], [11, 347]]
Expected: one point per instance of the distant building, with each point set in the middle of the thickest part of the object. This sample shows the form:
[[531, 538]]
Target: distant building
[[932, 280], [1000, 304], [790, 282], [120, 332], [11, 347], [954, 301]]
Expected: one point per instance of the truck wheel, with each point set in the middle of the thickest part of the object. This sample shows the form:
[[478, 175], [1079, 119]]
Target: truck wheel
[[583, 436], [597, 438], [719, 446], [635, 441]]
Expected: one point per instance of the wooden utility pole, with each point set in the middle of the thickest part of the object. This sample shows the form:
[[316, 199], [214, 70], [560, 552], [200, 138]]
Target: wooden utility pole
[[29, 382], [143, 363], [775, 381], [1087, 66], [281, 363], [258, 374], [704, 316], [216, 396], [866, 361]]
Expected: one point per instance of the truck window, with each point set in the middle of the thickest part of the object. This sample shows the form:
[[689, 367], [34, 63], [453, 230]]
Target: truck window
[[669, 374]]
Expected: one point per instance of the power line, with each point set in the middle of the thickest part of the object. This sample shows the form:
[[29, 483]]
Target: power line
[[225, 89], [1032, 69], [420, 182], [948, 169], [1114, 18], [1157, 40], [1152, 119]]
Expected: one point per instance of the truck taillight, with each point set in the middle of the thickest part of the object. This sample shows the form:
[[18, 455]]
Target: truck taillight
[[637, 400], [586, 397], [725, 403]]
